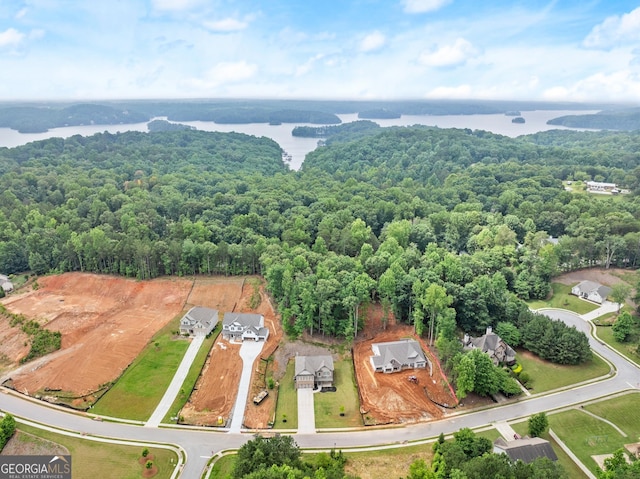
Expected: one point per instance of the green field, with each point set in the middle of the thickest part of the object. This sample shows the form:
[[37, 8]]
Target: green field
[[329, 405], [287, 401], [587, 436], [628, 348], [138, 391], [562, 299], [546, 376], [105, 460]]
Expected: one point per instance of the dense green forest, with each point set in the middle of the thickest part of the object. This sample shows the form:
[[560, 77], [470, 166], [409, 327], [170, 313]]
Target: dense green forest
[[624, 119], [448, 229]]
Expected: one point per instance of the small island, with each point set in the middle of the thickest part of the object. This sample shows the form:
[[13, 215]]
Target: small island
[[518, 119], [512, 113]]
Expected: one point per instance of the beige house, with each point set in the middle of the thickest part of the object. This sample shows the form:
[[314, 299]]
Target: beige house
[[313, 372]]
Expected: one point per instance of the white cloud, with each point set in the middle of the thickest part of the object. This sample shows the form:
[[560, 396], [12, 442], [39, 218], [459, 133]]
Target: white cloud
[[10, 38], [21, 13], [615, 30], [308, 65], [616, 86], [225, 25], [372, 42], [175, 5], [423, 6], [226, 72], [453, 93], [449, 55]]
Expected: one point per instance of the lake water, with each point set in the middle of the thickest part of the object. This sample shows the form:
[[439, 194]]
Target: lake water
[[298, 147]]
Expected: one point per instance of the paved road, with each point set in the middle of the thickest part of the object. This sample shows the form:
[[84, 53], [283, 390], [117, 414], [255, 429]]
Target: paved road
[[176, 383], [200, 445], [249, 351]]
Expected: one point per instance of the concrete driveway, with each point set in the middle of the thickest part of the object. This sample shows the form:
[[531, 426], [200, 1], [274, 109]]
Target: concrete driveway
[[176, 383], [249, 351], [306, 412]]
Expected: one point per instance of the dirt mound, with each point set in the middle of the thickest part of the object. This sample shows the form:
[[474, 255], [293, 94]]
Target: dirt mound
[[105, 322]]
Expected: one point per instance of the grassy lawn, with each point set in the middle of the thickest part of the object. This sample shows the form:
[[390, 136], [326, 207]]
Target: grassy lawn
[[287, 401], [192, 377], [546, 376], [138, 391], [328, 405], [586, 435], [109, 461], [622, 411], [562, 299], [223, 467], [628, 348]]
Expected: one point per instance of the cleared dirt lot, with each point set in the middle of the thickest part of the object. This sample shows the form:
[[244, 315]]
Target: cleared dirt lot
[[392, 398], [105, 322], [215, 392]]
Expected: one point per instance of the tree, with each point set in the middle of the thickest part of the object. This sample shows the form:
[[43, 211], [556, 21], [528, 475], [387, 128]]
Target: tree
[[7, 429], [622, 327], [434, 300], [262, 453], [619, 293], [538, 424]]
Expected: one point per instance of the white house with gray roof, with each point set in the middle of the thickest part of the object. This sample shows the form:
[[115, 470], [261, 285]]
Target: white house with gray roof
[[397, 355], [591, 291], [313, 372], [241, 326], [199, 321]]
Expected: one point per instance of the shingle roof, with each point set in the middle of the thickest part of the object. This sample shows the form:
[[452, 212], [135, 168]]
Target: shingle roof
[[311, 364], [403, 352], [206, 316], [245, 319], [587, 287], [526, 450]]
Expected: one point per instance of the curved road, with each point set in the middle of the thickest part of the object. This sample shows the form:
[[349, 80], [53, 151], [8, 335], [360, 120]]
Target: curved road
[[200, 445]]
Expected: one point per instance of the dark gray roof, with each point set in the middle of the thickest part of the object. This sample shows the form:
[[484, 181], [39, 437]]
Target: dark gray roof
[[404, 352], [526, 450], [311, 364], [591, 286], [490, 342], [244, 319]]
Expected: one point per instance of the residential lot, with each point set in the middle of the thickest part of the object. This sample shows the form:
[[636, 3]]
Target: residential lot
[[216, 389], [105, 322], [392, 398]]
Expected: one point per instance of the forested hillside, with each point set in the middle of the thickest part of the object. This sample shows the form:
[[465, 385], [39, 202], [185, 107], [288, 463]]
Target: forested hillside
[[446, 228]]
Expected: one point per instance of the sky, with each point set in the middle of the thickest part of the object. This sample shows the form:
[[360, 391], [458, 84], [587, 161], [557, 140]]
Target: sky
[[563, 50]]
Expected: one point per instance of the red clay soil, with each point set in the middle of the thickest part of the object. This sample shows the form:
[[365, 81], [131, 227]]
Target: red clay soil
[[216, 389], [105, 322], [13, 344], [392, 398]]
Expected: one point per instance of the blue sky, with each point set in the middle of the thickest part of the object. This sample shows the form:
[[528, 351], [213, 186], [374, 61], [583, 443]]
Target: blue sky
[[586, 50]]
